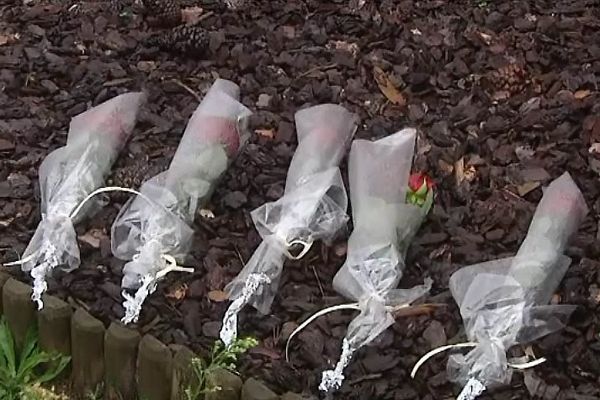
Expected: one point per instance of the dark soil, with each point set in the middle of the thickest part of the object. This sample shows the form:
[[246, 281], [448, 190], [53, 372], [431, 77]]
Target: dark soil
[[504, 94]]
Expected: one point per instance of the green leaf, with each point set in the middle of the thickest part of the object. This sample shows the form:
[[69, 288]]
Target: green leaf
[[29, 347], [57, 365], [7, 347]]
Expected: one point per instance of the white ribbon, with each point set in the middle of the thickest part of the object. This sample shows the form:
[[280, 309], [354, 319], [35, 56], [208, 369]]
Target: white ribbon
[[47, 257], [229, 330], [473, 388]]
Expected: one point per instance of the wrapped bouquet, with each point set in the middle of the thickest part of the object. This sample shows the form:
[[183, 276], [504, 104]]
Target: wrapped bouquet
[[68, 176], [388, 209], [505, 302], [312, 208], [153, 229]]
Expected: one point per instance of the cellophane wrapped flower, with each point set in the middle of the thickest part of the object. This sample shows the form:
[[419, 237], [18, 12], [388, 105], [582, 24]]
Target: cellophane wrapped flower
[[67, 176], [312, 208], [504, 302], [157, 222], [387, 212]]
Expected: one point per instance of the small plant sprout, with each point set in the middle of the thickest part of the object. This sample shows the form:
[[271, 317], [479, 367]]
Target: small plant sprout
[[222, 357]]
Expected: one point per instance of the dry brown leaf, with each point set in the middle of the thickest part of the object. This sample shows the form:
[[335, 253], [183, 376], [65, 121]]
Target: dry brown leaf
[[177, 292], [527, 187], [218, 296], [581, 94], [191, 15], [93, 237], [8, 38], [266, 133], [387, 87]]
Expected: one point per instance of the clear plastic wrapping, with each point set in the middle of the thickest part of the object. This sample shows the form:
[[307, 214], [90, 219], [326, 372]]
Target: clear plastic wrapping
[[384, 226], [312, 208], [503, 302], [145, 231], [68, 175]]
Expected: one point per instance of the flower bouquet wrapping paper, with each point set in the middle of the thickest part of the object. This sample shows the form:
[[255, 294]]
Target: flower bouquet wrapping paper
[[153, 229], [387, 214], [68, 176], [505, 302], [312, 208]]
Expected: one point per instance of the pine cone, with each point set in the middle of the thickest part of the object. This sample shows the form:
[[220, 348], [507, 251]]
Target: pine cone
[[163, 12], [511, 79], [182, 39], [133, 176]]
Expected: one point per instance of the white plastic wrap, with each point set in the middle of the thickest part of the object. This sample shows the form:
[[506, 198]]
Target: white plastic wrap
[[503, 302], [67, 176], [384, 226], [144, 232], [312, 208]]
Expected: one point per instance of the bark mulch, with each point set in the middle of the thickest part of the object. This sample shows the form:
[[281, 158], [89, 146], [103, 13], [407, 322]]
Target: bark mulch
[[505, 97]]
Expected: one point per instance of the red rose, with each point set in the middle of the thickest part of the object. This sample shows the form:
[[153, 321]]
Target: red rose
[[219, 130], [417, 180]]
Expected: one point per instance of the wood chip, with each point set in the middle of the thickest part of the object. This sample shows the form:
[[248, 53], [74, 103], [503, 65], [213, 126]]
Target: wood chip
[[206, 213], [387, 87], [527, 187], [266, 133], [191, 15], [218, 296], [581, 94], [8, 38]]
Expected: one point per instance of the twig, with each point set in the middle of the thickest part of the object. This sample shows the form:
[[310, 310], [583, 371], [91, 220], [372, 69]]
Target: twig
[[187, 89], [317, 68], [412, 311], [318, 281], [206, 16], [239, 255], [369, 377]]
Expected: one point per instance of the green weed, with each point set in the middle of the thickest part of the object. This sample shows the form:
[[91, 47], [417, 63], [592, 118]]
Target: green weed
[[221, 358], [25, 370]]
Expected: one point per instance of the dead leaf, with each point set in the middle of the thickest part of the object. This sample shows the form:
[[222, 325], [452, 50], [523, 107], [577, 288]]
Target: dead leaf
[[177, 292], [581, 94], [191, 15], [266, 133], [93, 237], [387, 87], [218, 296], [527, 187]]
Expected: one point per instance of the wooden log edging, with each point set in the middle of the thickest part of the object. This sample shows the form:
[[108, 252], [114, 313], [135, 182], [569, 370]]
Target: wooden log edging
[[126, 365]]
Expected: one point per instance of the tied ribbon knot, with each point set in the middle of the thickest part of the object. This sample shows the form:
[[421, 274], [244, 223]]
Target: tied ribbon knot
[[148, 284]]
